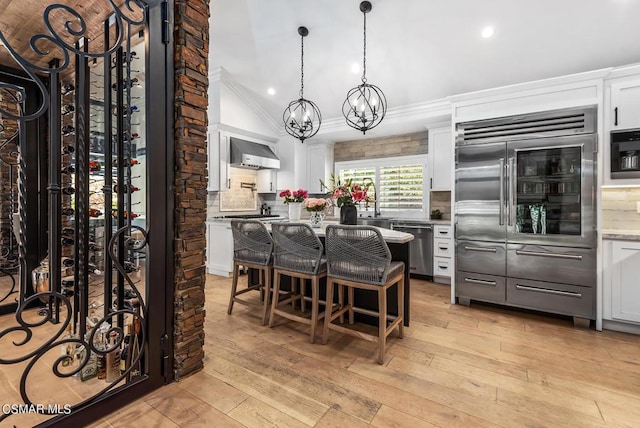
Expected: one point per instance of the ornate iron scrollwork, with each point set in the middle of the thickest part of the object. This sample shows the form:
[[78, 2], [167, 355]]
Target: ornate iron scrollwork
[[60, 310]]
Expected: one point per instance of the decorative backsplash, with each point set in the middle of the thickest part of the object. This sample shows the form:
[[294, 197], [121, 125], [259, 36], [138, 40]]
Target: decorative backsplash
[[240, 197], [619, 208], [441, 201]]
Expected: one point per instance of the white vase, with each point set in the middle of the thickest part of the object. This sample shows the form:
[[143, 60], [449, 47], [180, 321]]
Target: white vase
[[316, 219], [295, 208]]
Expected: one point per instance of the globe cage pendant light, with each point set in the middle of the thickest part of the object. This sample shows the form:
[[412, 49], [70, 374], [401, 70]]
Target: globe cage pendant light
[[302, 118], [366, 104]]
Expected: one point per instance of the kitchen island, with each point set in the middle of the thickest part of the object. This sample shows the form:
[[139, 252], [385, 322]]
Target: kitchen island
[[398, 243]]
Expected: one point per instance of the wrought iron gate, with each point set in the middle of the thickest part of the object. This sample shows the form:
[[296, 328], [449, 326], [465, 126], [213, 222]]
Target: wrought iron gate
[[85, 273]]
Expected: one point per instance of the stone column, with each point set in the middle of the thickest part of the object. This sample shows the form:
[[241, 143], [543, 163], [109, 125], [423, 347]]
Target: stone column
[[191, 69]]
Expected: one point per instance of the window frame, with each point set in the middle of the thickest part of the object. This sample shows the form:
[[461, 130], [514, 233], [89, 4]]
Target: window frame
[[378, 163]]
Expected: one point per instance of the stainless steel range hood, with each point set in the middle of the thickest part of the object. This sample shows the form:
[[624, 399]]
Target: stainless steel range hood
[[246, 154]]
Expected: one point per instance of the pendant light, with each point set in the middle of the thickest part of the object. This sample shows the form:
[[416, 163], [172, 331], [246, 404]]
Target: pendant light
[[366, 104], [302, 118]]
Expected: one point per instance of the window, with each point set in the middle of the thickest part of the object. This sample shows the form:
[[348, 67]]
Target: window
[[399, 181]]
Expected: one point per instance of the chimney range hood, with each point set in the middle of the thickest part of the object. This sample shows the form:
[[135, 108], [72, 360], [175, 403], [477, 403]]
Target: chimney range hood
[[247, 154]]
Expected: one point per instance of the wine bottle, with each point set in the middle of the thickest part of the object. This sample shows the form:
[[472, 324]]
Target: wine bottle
[[69, 169], [68, 88], [67, 211], [113, 359], [68, 109], [68, 242], [136, 349], [93, 212], [130, 267], [130, 188], [94, 247], [68, 129], [68, 190], [125, 354], [68, 150], [132, 162], [94, 166], [68, 231]]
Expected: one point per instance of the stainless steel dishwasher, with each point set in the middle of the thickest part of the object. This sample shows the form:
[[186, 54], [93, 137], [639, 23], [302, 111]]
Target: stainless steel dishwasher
[[421, 248]]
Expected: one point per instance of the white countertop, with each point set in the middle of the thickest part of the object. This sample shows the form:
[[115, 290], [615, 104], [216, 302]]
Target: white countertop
[[390, 236], [621, 234]]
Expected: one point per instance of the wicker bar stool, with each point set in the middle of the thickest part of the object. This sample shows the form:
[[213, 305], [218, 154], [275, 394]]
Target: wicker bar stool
[[358, 257], [252, 248], [298, 254]]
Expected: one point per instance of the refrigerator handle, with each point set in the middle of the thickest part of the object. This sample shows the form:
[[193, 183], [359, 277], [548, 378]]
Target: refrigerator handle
[[512, 197], [502, 166]]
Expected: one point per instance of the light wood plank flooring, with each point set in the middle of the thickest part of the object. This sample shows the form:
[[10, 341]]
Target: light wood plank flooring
[[457, 366]]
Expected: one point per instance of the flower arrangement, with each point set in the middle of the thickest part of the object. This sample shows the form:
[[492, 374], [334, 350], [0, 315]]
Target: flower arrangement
[[348, 193], [316, 204], [289, 196]]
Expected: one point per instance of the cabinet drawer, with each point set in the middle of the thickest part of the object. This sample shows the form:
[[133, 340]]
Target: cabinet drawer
[[440, 231], [442, 267], [477, 286], [481, 257], [565, 299], [442, 247], [554, 264]]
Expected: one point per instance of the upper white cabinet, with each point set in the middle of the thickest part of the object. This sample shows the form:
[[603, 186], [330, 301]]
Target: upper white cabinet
[[266, 181], [621, 291], [625, 103], [319, 166], [441, 155], [218, 161]]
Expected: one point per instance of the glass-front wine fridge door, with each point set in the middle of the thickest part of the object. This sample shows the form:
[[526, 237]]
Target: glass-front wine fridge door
[[550, 191]]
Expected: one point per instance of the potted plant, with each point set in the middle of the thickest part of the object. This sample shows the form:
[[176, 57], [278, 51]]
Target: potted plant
[[294, 198], [347, 195], [436, 214], [317, 208]]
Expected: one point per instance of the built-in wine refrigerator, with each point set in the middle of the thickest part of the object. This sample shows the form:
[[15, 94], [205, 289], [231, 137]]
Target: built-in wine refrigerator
[[86, 162]]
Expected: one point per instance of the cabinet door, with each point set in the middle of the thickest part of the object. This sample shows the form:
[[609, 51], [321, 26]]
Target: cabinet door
[[625, 105], [320, 164], [266, 181], [220, 249], [441, 153], [625, 287], [225, 180]]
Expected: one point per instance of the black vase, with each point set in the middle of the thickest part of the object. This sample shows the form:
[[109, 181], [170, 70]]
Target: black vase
[[348, 214]]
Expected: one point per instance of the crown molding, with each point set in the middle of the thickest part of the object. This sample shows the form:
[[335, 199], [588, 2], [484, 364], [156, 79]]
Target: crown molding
[[223, 76]]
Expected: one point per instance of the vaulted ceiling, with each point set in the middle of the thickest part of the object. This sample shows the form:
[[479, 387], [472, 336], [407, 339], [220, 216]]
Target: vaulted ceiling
[[417, 50]]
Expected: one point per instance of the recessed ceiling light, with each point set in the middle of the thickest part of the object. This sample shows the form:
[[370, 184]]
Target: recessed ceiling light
[[355, 68], [271, 91], [487, 32]]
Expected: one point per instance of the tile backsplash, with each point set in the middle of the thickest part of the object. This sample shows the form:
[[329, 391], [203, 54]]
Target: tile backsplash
[[441, 201], [619, 208]]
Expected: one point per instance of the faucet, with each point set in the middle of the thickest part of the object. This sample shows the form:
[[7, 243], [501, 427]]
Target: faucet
[[376, 207]]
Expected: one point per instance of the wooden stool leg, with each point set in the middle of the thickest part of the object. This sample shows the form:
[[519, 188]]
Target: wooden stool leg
[[274, 299], [350, 291], [400, 286], [266, 287], [314, 306], [303, 291], [234, 287], [327, 313], [382, 323], [341, 301]]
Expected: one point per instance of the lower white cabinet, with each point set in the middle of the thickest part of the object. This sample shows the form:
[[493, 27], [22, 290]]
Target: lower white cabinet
[[621, 291], [219, 248], [442, 253]]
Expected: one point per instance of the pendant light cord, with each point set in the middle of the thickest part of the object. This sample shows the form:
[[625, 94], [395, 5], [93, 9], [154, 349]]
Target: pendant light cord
[[364, 54], [302, 67]]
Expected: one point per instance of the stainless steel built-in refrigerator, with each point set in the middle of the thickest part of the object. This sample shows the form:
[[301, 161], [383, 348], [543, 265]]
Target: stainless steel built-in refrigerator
[[525, 211]]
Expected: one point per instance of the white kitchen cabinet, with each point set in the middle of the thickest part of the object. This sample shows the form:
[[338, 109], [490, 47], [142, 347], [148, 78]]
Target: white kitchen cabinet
[[319, 166], [219, 248], [266, 181], [441, 155], [621, 291], [625, 103], [443, 249], [218, 161]]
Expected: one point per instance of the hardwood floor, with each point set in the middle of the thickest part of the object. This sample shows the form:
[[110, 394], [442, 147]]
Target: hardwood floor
[[457, 366]]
